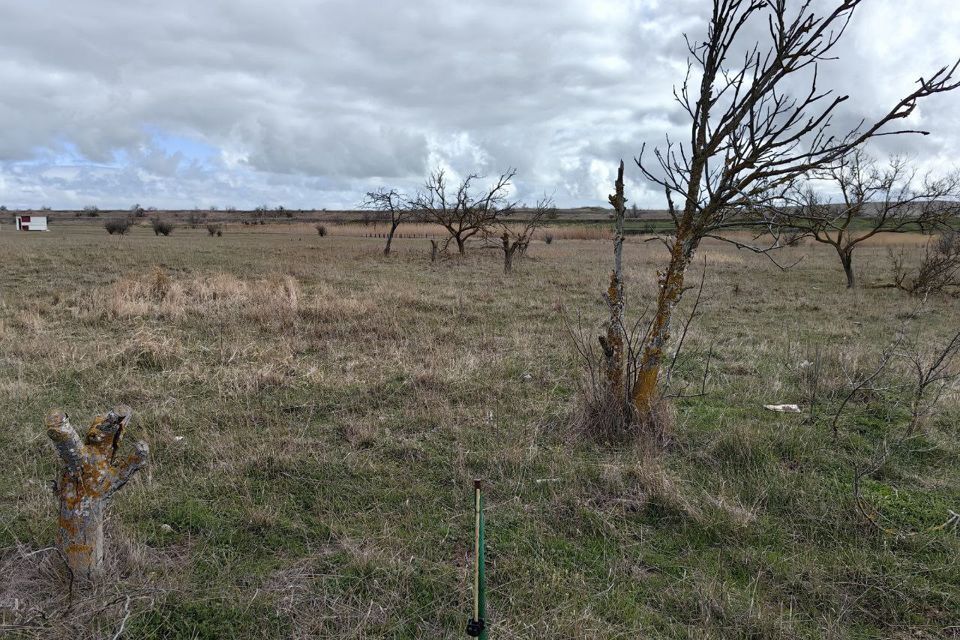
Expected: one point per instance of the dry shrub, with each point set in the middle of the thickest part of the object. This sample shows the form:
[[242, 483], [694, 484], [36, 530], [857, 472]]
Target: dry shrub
[[321, 230], [118, 226], [161, 227], [605, 408], [606, 417], [938, 271]]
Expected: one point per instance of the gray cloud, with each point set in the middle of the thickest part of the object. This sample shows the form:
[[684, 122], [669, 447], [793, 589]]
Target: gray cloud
[[309, 104]]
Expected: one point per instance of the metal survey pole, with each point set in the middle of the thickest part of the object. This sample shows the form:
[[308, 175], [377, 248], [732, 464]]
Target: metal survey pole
[[476, 626]]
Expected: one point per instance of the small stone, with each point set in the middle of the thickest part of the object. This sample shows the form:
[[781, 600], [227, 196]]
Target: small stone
[[165, 528]]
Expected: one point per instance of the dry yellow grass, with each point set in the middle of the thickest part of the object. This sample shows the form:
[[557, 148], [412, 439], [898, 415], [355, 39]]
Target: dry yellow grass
[[424, 231], [159, 295]]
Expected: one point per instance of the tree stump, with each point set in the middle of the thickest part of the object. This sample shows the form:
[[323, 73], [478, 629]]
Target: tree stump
[[93, 473]]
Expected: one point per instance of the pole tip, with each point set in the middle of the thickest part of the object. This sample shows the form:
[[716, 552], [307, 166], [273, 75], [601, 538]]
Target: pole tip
[[476, 483]]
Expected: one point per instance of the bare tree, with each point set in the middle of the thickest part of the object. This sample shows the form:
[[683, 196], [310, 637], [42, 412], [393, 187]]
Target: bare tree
[[514, 238], [389, 202], [462, 211], [873, 200], [750, 138]]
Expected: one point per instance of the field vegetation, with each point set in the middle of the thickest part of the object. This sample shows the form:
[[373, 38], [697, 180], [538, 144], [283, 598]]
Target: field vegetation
[[316, 413]]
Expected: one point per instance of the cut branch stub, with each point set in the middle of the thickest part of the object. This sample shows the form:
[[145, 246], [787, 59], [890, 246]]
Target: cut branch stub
[[92, 474]]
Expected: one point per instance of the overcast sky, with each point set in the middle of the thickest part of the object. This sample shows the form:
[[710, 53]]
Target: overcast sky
[[305, 104]]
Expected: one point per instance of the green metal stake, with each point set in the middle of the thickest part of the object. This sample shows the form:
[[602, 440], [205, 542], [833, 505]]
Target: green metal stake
[[476, 626]]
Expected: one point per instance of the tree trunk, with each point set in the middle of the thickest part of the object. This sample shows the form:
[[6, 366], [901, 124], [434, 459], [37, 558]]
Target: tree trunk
[[671, 288], [461, 245], [433, 250], [386, 248], [613, 344], [508, 251], [846, 258], [90, 477]]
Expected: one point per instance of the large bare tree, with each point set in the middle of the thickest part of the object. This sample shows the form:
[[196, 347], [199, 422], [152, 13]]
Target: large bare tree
[[464, 210], [873, 199], [389, 202], [752, 134]]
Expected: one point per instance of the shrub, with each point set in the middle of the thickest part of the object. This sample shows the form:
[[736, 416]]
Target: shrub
[[161, 227], [91, 211], [215, 229], [120, 226], [548, 238], [938, 271], [195, 219], [322, 230]]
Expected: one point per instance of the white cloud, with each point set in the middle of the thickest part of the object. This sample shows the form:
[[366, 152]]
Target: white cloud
[[309, 104]]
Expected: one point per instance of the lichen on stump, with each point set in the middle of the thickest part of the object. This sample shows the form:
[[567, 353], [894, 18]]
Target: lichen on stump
[[93, 472]]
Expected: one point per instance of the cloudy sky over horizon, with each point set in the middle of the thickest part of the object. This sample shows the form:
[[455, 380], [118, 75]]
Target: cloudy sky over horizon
[[309, 104]]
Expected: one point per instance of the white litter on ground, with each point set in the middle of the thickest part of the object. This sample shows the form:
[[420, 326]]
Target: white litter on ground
[[782, 408]]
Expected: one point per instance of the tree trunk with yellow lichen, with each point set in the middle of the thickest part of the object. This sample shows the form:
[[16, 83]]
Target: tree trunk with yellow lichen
[[93, 473], [613, 342], [645, 391]]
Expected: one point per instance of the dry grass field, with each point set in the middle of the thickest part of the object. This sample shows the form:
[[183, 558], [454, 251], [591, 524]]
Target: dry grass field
[[316, 413]]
